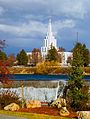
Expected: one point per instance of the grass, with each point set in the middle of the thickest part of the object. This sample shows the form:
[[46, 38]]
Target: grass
[[30, 115]]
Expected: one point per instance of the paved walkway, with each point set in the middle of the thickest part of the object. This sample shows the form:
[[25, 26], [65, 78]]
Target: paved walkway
[[2, 116]]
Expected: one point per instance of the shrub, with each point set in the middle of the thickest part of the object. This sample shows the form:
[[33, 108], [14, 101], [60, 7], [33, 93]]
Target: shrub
[[78, 99], [7, 97], [47, 67], [41, 68]]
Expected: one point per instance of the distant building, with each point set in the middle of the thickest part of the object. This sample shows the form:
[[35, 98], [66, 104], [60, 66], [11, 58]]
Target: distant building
[[29, 54], [48, 41], [34, 57], [64, 58]]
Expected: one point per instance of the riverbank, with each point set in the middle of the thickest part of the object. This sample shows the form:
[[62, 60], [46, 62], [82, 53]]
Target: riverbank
[[54, 70], [22, 70]]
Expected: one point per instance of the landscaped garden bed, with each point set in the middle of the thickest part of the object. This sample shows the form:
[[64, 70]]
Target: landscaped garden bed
[[46, 110]]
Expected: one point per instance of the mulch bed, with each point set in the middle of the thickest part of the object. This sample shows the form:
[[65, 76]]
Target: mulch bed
[[45, 110]]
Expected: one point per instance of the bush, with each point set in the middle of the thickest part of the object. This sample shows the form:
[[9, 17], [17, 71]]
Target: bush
[[7, 97], [47, 67], [77, 99]]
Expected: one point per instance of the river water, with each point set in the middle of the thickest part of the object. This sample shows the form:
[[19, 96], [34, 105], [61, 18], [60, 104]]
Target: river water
[[37, 77]]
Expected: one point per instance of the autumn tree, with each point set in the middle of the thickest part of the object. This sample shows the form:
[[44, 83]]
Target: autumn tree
[[22, 58], [36, 56], [11, 59], [4, 72], [61, 49], [47, 67]]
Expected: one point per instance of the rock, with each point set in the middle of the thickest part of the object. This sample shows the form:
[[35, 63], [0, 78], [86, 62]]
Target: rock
[[64, 111], [33, 104], [12, 107], [59, 102], [83, 114]]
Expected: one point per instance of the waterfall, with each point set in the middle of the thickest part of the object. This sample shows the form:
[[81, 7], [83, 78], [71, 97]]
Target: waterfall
[[57, 90], [44, 94], [60, 88]]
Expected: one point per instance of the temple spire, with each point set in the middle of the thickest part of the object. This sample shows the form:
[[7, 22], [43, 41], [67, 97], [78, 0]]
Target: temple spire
[[49, 32], [50, 26], [49, 40], [50, 37]]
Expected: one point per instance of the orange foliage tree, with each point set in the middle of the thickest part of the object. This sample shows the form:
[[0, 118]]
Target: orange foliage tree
[[4, 72]]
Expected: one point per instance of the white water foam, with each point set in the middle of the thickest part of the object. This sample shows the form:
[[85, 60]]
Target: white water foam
[[42, 94]]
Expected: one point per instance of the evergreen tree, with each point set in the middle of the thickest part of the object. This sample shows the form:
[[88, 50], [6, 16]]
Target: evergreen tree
[[3, 56], [22, 58], [76, 91], [86, 55], [83, 51], [53, 54]]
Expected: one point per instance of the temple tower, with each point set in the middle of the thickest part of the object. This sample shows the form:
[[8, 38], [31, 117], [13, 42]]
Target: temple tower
[[48, 41]]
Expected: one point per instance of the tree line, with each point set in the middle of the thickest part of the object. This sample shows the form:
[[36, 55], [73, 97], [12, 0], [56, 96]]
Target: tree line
[[53, 55]]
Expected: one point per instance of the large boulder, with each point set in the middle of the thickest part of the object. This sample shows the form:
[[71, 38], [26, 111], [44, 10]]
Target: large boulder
[[83, 114], [59, 102], [64, 111], [33, 104], [12, 107]]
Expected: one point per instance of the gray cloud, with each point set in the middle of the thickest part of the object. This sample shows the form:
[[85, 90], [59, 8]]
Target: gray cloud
[[1, 10], [27, 20], [33, 27], [72, 8]]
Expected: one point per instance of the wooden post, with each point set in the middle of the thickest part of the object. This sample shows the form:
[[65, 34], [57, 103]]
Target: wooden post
[[22, 94]]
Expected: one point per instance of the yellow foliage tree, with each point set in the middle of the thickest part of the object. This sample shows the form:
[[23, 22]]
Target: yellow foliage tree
[[46, 67]]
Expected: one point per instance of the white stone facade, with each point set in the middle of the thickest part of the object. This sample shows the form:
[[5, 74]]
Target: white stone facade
[[48, 41], [64, 57]]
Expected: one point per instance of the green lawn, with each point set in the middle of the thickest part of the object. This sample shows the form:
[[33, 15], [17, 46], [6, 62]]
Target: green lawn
[[30, 115]]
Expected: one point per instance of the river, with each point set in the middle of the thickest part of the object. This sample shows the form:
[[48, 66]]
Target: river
[[37, 77]]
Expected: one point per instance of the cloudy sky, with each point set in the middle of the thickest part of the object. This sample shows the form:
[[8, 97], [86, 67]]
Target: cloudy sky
[[23, 23]]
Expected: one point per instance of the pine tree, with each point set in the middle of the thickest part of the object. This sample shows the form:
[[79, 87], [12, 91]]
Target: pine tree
[[73, 92], [83, 51], [22, 58], [86, 55], [53, 54], [3, 56]]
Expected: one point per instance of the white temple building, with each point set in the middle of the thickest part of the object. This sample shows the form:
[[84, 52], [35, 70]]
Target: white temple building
[[65, 56], [48, 41], [51, 40]]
